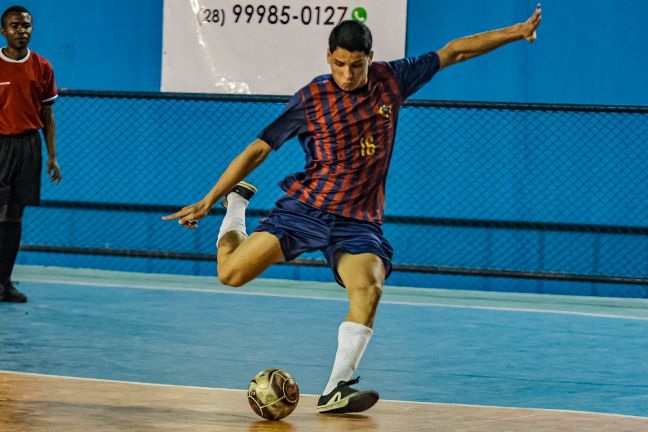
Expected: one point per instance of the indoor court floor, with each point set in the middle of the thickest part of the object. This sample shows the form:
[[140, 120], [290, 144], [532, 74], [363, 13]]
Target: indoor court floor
[[112, 351]]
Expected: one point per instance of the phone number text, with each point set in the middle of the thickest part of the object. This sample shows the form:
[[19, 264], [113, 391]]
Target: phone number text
[[273, 14]]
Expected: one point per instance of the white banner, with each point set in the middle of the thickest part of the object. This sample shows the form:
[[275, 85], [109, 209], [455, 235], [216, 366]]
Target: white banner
[[265, 47]]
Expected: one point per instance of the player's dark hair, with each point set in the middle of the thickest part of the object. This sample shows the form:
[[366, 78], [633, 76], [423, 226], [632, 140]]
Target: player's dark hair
[[13, 9], [351, 36]]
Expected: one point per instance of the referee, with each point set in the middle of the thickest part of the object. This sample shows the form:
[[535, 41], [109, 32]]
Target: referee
[[27, 92]]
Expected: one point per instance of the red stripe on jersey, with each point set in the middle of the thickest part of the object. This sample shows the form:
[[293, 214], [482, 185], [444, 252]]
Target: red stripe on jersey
[[365, 173], [292, 190], [355, 163], [312, 117], [328, 177], [369, 199], [318, 124], [380, 197], [358, 161], [309, 122], [392, 98]]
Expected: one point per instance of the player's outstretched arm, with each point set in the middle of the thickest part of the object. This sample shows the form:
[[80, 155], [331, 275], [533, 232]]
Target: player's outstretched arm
[[472, 46], [237, 170]]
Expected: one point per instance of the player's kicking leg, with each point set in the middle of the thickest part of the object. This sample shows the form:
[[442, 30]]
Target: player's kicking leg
[[241, 259], [363, 276]]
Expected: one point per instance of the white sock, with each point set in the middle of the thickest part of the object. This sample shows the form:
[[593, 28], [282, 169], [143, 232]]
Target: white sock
[[353, 339], [234, 219]]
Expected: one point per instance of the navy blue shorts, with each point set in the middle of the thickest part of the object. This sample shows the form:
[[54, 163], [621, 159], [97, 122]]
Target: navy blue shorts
[[301, 228]]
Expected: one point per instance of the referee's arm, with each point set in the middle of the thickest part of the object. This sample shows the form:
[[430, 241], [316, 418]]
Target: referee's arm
[[49, 132]]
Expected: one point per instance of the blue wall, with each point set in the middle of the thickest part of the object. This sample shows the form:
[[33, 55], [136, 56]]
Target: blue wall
[[98, 44], [587, 52], [592, 52]]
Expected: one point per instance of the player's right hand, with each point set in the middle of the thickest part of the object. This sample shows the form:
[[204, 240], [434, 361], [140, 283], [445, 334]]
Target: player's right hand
[[190, 215]]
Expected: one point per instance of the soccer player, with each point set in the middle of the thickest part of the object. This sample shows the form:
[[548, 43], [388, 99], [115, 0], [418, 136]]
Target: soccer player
[[27, 92], [346, 122]]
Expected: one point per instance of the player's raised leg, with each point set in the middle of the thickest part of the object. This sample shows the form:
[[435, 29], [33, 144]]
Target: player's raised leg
[[363, 276], [242, 263], [232, 230], [241, 259]]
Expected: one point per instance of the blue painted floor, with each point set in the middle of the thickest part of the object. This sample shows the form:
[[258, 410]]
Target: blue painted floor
[[420, 352]]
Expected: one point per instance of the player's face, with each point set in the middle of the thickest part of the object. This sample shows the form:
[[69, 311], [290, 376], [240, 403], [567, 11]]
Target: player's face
[[17, 29], [349, 68]]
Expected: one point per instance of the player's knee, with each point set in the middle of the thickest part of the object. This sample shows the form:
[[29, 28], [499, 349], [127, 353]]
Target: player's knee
[[369, 293], [231, 276], [374, 293]]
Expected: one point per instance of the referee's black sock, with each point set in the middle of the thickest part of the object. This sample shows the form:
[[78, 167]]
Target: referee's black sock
[[10, 233]]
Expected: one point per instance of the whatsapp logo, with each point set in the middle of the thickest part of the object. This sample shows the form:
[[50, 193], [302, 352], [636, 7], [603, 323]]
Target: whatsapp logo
[[359, 14]]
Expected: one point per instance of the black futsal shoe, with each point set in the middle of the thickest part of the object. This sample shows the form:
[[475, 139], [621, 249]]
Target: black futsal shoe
[[9, 293], [345, 399], [244, 189]]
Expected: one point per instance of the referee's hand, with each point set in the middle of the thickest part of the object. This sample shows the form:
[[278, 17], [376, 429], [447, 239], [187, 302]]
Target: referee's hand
[[53, 171]]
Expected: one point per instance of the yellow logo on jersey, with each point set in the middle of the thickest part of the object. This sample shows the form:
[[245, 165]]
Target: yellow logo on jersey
[[385, 111]]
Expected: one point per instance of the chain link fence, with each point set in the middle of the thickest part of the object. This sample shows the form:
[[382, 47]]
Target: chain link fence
[[510, 190]]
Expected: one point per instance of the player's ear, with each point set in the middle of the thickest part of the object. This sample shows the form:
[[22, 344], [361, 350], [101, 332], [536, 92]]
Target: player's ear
[[370, 56]]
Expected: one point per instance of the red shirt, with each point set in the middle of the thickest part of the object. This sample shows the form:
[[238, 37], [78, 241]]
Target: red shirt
[[25, 85]]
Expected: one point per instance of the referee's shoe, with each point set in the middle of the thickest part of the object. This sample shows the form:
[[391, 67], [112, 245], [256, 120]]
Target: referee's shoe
[[345, 399], [9, 293], [242, 188]]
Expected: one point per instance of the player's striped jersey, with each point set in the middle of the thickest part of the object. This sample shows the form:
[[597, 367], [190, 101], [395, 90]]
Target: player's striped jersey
[[348, 137]]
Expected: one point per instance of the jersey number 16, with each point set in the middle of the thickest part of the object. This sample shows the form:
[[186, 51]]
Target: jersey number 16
[[367, 146]]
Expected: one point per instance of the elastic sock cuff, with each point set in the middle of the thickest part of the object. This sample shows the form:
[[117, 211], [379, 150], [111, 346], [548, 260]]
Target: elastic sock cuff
[[356, 328]]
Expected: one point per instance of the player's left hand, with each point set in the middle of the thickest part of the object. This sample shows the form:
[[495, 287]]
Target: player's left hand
[[528, 28], [53, 171]]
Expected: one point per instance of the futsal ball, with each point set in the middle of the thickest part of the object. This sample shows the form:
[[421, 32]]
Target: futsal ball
[[273, 394]]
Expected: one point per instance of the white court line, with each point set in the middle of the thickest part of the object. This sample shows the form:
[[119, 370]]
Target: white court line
[[305, 394], [234, 291]]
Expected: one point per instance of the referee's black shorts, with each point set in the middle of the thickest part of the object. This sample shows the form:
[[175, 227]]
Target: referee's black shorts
[[21, 161]]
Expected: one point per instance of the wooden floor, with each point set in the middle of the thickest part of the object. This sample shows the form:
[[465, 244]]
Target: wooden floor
[[38, 403]]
